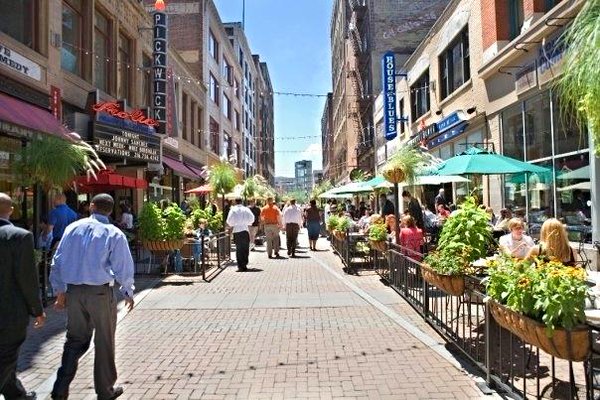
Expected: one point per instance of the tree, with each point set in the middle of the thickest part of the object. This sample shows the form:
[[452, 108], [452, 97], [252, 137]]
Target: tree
[[579, 86], [222, 179]]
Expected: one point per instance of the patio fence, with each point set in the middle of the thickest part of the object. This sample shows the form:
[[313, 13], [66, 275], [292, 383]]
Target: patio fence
[[509, 365]]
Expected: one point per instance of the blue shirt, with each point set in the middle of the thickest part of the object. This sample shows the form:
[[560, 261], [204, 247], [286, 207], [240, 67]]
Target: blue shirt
[[44, 241], [92, 252], [60, 217]]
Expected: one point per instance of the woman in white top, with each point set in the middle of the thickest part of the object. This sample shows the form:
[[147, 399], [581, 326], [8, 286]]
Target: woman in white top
[[126, 221], [516, 244]]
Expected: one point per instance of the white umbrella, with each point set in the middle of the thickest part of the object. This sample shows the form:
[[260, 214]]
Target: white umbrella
[[580, 173], [329, 195], [236, 192], [587, 185], [354, 187], [427, 180]]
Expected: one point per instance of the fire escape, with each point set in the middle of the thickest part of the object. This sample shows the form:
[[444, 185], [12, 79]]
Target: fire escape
[[359, 102]]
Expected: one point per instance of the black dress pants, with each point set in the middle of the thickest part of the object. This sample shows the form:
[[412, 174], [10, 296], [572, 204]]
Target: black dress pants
[[242, 249], [89, 309], [291, 235], [10, 385]]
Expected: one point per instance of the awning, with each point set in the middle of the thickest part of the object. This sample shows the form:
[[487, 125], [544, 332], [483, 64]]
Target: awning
[[106, 181], [28, 116], [199, 172], [179, 168], [204, 189]]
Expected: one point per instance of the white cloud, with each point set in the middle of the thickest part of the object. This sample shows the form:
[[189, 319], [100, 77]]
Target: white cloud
[[314, 153]]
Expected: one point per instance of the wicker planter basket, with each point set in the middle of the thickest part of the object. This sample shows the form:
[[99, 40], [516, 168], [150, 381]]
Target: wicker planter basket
[[451, 284], [339, 235], [379, 245], [572, 345], [395, 175], [163, 245]]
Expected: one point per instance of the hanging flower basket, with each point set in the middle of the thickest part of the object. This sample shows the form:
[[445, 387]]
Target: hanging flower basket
[[572, 345], [379, 245], [163, 245], [451, 284], [339, 235], [394, 175]]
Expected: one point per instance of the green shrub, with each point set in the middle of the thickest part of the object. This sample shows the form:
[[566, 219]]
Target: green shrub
[[344, 224], [332, 222], [174, 222], [378, 232], [151, 222]]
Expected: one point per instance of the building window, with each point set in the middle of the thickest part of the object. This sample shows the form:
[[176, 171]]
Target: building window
[[184, 117], [227, 72], [125, 67], [214, 136], [454, 64], [213, 46], [401, 115], [226, 107], [102, 52], [193, 127], [146, 80], [213, 89], [236, 88], [515, 17], [19, 20], [419, 96], [237, 121], [72, 37], [200, 128], [241, 57]]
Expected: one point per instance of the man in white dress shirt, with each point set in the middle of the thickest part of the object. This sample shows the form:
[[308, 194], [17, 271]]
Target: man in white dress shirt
[[292, 220], [239, 219]]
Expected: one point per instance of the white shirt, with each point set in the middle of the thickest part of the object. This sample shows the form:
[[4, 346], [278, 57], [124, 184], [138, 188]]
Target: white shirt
[[523, 245], [239, 218], [126, 220], [292, 215]]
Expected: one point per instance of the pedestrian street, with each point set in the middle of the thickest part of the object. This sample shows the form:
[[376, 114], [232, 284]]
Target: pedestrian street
[[286, 329]]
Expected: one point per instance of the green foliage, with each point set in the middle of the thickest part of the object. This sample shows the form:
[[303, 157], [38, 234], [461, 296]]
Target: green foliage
[[359, 175], [53, 162], [151, 223], [250, 188], [222, 178], [378, 232], [407, 161], [320, 188], [546, 291], [465, 237], [363, 247], [174, 222], [215, 221], [333, 222], [579, 86], [343, 223], [299, 195], [193, 203]]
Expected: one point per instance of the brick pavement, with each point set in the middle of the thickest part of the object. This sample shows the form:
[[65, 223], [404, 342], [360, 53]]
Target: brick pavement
[[293, 329]]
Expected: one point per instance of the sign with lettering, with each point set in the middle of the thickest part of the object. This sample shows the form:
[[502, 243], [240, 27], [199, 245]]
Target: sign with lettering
[[19, 63], [159, 64], [388, 72], [56, 102], [450, 121], [114, 109], [421, 137], [116, 142], [526, 78], [550, 57]]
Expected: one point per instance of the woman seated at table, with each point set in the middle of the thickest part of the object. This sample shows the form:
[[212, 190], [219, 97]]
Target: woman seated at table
[[411, 238], [502, 223], [516, 244], [442, 213], [363, 222], [390, 224], [554, 243]]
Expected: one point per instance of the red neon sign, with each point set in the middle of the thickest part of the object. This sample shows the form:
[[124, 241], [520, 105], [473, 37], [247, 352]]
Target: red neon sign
[[114, 110]]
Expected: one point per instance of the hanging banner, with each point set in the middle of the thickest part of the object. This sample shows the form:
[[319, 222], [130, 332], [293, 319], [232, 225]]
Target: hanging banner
[[388, 71], [159, 64]]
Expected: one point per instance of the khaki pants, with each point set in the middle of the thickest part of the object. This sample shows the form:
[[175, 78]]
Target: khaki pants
[[272, 238], [253, 232]]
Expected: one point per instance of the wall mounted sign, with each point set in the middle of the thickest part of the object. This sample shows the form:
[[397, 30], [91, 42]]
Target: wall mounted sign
[[450, 121], [19, 63], [114, 109], [121, 143], [56, 102], [449, 134], [159, 64], [388, 72], [421, 137], [550, 57]]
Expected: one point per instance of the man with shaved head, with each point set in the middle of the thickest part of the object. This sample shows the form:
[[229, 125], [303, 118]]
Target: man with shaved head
[[19, 298]]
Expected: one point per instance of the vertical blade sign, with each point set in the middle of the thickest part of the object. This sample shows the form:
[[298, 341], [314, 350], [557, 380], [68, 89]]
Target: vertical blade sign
[[388, 69], [159, 65]]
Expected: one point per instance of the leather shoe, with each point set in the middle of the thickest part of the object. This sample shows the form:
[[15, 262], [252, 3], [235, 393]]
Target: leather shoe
[[29, 396], [117, 391]]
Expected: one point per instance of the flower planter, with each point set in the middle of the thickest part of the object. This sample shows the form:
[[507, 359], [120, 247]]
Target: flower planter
[[379, 245], [339, 235], [451, 284], [163, 245], [572, 345]]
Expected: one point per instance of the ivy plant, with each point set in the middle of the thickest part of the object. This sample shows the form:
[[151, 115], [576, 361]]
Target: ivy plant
[[174, 222]]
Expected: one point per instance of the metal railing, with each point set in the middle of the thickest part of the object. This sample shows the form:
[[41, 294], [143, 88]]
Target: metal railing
[[508, 364], [351, 256]]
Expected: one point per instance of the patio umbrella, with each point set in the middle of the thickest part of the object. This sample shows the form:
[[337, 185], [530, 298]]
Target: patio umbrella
[[580, 173], [374, 182], [204, 189], [427, 180], [483, 162], [329, 195], [351, 188]]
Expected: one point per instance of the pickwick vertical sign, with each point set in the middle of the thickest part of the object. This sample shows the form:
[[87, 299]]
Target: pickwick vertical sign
[[159, 65]]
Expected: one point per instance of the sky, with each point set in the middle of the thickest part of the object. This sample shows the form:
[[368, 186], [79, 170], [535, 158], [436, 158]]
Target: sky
[[292, 37]]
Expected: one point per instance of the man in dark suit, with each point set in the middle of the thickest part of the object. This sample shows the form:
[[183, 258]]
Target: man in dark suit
[[414, 209], [19, 298], [385, 206], [440, 199]]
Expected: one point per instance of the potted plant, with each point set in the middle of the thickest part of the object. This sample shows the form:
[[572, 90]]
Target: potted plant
[[465, 237], [332, 223], [342, 227], [161, 231], [378, 237], [542, 302], [403, 165], [222, 178]]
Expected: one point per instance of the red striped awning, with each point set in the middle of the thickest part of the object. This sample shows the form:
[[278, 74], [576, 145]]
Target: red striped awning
[[106, 181], [28, 116]]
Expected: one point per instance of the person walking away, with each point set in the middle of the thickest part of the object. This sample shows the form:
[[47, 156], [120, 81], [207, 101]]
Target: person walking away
[[414, 209], [90, 257], [440, 198], [60, 217], [239, 219], [292, 220], [19, 299], [385, 205], [313, 224], [254, 227], [411, 238], [271, 219]]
